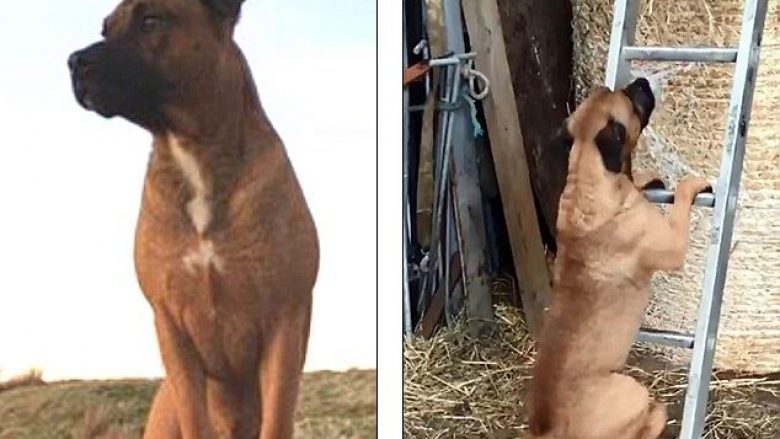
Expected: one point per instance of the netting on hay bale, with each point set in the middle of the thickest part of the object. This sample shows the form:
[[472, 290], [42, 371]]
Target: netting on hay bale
[[685, 137]]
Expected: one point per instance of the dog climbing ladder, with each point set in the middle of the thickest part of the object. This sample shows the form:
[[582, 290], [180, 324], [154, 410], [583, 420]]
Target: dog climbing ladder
[[724, 199]]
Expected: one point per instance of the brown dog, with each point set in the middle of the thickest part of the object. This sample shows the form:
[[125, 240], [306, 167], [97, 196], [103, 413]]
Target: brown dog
[[226, 250], [610, 240]]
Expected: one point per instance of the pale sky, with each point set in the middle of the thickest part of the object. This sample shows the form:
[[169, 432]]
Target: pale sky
[[70, 185]]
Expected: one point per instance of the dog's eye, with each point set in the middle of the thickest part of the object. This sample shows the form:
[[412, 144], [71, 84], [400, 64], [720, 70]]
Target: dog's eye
[[152, 22]]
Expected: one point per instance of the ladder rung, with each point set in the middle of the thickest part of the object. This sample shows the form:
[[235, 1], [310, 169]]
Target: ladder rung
[[667, 197], [666, 338], [689, 54]]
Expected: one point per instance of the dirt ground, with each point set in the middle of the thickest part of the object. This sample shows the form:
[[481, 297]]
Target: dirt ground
[[332, 405], [456, 387]]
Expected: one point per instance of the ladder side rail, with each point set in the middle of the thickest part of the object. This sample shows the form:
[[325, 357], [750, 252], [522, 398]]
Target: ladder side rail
[[624, 21], [723, 222]]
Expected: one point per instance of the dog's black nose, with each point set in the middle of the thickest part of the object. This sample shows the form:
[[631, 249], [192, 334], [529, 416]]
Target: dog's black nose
[[642, 83], [74, 60], [641, 95]]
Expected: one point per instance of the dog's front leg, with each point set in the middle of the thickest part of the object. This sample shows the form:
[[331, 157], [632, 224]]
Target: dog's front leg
[[665, 243], [281, 368], [185, 375], [162, 422]]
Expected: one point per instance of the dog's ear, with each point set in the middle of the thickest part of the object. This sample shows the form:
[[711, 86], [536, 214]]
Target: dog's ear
[[560, 144], [561, 140], [610, 142], [225, 9], [555, 155]]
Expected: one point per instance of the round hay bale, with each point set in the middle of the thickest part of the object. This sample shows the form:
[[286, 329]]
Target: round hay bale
[[685, 136]]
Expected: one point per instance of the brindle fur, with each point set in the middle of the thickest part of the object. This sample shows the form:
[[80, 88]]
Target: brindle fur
[[610, 241], [226, 250]]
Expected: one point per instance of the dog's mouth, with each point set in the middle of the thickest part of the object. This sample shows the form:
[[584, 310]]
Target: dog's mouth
[[88, 99], [81, 92]]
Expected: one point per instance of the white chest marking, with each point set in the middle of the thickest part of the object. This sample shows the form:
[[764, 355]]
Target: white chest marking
[[198, 207], [203, 257]]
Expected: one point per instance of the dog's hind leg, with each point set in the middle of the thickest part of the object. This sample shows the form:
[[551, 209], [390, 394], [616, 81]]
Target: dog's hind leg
[[614, 407], [655, 422], [163, 422]]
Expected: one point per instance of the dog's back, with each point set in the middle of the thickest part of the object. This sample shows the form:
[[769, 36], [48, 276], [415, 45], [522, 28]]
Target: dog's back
[[600, 285]]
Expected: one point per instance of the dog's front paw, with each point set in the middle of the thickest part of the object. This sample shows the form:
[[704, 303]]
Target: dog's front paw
[[692, 186]]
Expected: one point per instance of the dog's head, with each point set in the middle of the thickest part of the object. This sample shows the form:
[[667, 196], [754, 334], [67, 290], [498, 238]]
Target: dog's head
[[157, 60], [611, 122]]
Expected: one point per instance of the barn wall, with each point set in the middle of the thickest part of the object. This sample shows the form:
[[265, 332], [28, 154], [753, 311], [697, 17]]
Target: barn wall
[[538, 42]]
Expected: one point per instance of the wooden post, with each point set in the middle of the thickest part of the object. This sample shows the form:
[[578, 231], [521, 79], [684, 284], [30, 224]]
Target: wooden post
[[539, 52], [487, 40], [466, 193], [434, 23]]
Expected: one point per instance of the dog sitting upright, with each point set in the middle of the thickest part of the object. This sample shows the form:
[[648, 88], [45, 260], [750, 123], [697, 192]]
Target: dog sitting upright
[[226, 250], [610, 240]]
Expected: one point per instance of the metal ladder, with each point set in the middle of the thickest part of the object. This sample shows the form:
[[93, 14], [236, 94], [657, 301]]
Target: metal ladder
[[724, 199]]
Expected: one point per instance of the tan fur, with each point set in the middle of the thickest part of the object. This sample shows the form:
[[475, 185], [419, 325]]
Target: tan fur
[[610, 240], [226, 251]]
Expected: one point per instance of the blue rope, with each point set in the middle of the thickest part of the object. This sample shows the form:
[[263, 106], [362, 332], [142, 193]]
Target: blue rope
[[477, 132]]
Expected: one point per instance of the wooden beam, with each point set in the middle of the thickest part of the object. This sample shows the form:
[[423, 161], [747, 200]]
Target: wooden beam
[[469, 222], [434, 26], [436, 308], [506, 140], [469, 217], [433, 313]]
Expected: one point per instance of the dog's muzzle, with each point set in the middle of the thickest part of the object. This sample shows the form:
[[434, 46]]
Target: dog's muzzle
[[82, 69], [111, 79]]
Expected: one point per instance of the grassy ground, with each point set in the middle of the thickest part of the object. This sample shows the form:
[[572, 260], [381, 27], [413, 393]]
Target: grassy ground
[[332, 405]]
